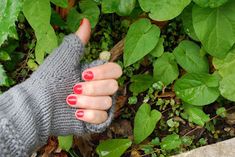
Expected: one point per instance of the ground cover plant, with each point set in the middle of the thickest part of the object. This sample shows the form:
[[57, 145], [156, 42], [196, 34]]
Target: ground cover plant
[[178, 87]]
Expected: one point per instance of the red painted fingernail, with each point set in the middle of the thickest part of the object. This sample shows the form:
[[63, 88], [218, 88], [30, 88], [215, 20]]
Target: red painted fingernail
[[81, 22], [88, 75], [77, 89], [71, 100], [79, 114]]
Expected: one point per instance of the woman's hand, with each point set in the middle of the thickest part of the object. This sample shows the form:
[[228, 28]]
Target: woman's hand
[[92, 97]]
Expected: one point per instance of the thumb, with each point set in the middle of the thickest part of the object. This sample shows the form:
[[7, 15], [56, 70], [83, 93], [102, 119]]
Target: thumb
[[84, 31]]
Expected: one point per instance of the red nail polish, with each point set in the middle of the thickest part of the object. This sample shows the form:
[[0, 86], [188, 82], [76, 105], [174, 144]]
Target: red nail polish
[[77, 89], [88, 75], [81, 22], [79, 114], [71, 100]]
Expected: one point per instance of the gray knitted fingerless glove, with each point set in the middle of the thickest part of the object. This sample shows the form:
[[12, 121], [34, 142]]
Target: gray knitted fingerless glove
[[35, 109]]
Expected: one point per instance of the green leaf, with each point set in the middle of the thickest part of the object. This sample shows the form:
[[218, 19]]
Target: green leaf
[[196, 114], [65, 142], [3, 77], [187, 55], [89, 10], [141, 39], [221, 112], [56, 19], [140, 83], [4, 56], [226, 70], [125, 7], [215, 28], [60, 3], [159, 48], [8, 15], [165, 69], [197, 89], [187, 20], [210, 3], [162, 10], [171, 142], [113, 147], [32, 65], [46, 37], [145, 122], [109, 6]]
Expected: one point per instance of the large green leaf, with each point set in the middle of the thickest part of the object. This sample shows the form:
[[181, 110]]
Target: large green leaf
[[145, 122], [165, 69], [141, 38], [197, 89], [113, 147], [89, 10], [140, 83], [163, 10], [65, 142], [187, 20], [8, 15], [226, 70], [38, 13], [196, 114], [60, 3], [187, 54], [215, 28], [210, 3], [170, 142]]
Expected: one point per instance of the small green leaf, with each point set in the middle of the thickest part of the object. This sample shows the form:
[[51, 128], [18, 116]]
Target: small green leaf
[[32, 65], [187, 54], [109, 6], [3, 77], [197, 89], [221, 112], [140, 83], [8, 15], [65, 142], [162, 10], [165, 69], [145, 122], [171, 142], [141, 39], [4, 56], [215, 28], [60, 3], [159, 48], [196, 114], [125, 7], [89, 10], [113, 147], [210, 3]]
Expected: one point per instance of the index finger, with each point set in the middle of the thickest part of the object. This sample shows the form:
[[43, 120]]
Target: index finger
[[106, 71]]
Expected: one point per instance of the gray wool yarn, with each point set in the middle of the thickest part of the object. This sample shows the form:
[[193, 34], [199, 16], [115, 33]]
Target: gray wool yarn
[[32, 111]]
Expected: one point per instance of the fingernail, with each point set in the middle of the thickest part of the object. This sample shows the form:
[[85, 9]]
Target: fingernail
[[77, 89], [88, 75], [71, 100], [79, 114], [81, 22]]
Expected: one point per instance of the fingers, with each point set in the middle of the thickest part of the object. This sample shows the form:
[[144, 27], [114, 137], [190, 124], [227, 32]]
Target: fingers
[[96, 88], [91, 116], [84, 31], [106, 71], [89, 102]]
